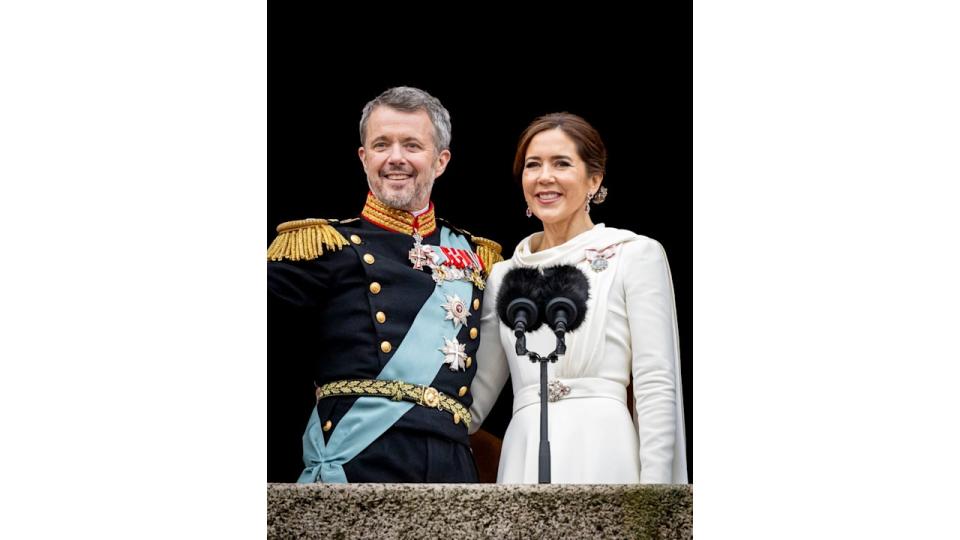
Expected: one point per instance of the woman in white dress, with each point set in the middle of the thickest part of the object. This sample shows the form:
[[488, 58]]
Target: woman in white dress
[[629, 334]]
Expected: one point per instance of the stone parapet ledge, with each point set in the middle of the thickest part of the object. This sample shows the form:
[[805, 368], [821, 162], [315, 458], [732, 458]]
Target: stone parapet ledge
[[429, 511]]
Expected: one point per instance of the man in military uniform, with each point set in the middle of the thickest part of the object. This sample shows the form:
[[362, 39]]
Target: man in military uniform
[[389, 304]]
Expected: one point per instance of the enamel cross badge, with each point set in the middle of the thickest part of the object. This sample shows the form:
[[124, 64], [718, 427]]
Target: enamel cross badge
[[454, 354]]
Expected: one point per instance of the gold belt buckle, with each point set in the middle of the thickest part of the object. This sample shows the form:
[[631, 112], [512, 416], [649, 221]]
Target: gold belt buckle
[[431, 397]]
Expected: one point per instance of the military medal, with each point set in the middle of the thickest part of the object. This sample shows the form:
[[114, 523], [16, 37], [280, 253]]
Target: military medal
[[477, 279], [457, 311], [419, 254], [446, 263], [454, 354]]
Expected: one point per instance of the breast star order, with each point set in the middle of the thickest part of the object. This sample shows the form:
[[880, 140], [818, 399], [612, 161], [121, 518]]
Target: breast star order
[[454, 354], [457, 311]]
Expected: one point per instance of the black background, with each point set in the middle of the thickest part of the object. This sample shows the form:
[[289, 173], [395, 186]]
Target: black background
[[630, 78]]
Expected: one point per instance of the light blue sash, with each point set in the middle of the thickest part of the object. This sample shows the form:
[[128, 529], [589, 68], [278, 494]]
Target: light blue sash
[[416, 361]]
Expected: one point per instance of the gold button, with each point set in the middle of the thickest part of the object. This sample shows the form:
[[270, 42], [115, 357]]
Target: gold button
[[456, 418], [463, 391], [327, 425], [476, 304], [469, 361], [473, 333], [355, 239], [385, 346], [368, 258], [381, 317], [375, 288]]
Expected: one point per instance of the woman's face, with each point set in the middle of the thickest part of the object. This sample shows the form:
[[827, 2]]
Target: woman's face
[[555, 179]]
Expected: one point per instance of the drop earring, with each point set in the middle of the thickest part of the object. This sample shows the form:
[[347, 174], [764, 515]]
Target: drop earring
[[529, 212], [596, 198]]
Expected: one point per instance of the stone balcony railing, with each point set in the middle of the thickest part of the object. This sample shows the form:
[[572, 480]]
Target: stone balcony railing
[[447, 511]]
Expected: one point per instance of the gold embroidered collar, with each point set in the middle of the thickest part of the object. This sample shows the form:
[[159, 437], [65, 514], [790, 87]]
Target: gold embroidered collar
[[399, 221]]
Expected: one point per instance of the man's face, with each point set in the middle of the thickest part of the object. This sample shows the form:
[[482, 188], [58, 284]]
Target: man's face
[[400, 158]]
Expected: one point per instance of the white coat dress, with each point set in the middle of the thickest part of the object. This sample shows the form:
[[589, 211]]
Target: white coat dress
[[630, 330]]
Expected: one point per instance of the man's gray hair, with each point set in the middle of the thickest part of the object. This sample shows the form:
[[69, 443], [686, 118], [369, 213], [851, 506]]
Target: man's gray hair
[[409, 99]]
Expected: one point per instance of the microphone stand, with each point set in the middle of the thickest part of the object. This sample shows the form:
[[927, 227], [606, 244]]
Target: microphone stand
[[544, 470]]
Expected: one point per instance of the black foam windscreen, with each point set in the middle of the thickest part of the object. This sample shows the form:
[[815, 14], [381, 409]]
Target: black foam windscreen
[[566, 281], [521, 283]]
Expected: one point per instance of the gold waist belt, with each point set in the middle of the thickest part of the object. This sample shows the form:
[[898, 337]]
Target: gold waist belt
[[426, 396]]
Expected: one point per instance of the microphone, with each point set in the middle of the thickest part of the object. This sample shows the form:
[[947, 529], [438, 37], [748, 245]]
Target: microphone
[[517, 303], [520, 303], [566, 291]]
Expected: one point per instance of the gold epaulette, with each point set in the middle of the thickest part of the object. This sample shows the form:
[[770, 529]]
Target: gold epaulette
[[488, 251], [304, 240]]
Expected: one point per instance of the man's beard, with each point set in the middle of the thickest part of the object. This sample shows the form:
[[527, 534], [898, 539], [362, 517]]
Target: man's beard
[[404, 200]]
